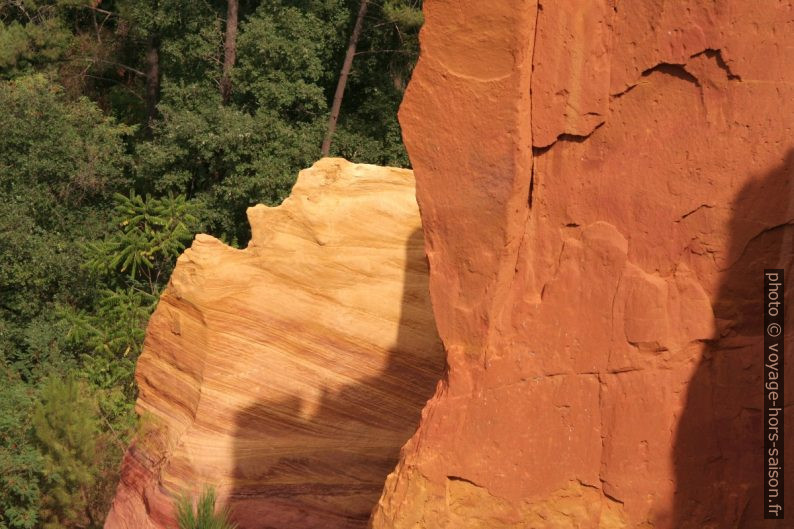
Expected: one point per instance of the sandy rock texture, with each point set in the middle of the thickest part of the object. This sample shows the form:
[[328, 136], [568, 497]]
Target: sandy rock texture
[[289, 374], [601, 185]]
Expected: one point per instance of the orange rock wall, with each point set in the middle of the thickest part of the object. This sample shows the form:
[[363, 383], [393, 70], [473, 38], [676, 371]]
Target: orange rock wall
[[601, 186], [289, 374]]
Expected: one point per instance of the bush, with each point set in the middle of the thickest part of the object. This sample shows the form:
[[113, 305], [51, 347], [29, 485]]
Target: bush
[[204, 515]]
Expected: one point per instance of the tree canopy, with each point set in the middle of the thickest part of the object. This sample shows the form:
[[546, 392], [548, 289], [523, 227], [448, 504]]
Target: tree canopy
[[128, 126]]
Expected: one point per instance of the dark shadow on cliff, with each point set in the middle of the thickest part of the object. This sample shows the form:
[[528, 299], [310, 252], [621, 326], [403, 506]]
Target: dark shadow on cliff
[[718, 451], [325, 469]]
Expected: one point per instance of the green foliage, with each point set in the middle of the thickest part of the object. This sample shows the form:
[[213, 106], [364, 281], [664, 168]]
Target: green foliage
[[189, 32], [407, 16], [283, 56], [21, 463], [226, 160], [34, 34], [60, 160], [387, 51], [133, 260], [65, 427], [82, 265], [152, 233], [203, 516], [67, 150]]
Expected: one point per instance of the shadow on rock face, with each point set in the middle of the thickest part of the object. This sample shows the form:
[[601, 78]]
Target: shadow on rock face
[[719, 450], [322, 463]]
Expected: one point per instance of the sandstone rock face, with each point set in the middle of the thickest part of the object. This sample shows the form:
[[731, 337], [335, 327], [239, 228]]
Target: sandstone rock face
[[289, 374], [601, 186]]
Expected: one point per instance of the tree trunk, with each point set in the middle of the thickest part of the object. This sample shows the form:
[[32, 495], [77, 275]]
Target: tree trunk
[[229, 50], [340, 86], [152, 79]]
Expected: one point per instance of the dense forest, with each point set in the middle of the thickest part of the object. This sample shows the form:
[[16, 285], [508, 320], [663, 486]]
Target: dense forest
[[126, 127]]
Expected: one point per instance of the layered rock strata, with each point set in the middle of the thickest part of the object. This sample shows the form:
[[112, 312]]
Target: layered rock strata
[[601, 186], [288, 375]]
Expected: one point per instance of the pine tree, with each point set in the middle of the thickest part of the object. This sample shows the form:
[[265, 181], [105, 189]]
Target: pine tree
[[21, 463], [65, 428]]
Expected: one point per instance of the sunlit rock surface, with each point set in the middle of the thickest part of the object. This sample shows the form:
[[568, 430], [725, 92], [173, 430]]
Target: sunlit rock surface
[[601, 185], [289, 374]]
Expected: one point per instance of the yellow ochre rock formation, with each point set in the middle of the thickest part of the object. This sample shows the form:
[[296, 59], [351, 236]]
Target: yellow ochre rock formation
[[288, 375]]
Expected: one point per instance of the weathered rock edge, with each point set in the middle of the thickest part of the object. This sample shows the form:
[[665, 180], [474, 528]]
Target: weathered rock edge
[[601, 186]]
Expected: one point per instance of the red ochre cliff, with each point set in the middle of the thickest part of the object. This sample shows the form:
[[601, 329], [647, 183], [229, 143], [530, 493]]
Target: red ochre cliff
[[601, 185]]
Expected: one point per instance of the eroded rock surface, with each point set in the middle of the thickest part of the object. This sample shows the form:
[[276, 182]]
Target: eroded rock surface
[[601, 186], [289, 374]]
